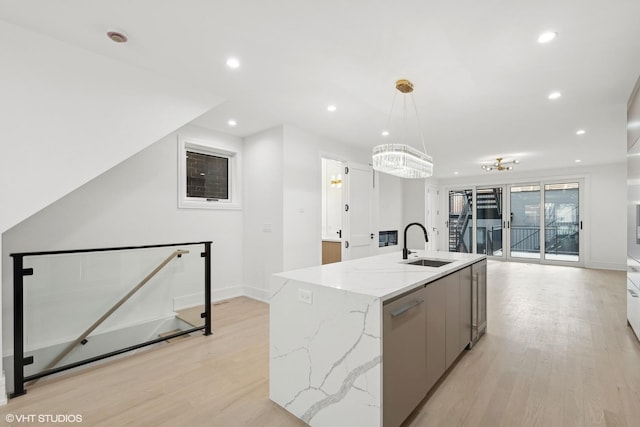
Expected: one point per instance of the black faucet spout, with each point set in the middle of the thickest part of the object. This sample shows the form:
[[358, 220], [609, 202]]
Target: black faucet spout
[[405, 251]]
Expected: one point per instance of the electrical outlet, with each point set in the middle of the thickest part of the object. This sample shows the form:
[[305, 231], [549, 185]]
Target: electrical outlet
[[305, 296]]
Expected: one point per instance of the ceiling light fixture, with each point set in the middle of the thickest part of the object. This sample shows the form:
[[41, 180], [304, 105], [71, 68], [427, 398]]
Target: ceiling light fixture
[[554, 95], [547, 37], [580, 132], [499, 165], [400, 159], [232, 122], [578, 160], [233, 63], [117, 36], [385, 133], [331, 108]]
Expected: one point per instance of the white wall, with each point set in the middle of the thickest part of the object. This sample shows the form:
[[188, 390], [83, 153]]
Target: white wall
[[263, 221], [413, 204], [134, 203], [605, 222], [390, 207]]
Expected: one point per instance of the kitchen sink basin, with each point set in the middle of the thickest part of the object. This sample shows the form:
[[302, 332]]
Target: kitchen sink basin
[[425, 262]]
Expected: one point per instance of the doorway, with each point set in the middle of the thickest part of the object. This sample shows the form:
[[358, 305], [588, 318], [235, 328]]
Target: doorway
[[347, 222]]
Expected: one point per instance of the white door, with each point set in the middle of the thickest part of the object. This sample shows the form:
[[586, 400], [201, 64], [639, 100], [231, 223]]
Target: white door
[[431, 217], [358, 237]]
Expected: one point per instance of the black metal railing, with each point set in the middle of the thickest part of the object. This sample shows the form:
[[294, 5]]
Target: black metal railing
[[23, 266]]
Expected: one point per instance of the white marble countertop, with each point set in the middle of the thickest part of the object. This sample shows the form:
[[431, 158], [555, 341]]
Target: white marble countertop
[[382, 276]]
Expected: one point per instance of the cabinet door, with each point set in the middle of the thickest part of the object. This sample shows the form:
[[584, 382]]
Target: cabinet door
[[436, 296], [403, 356], [452, 324], [465, 308]]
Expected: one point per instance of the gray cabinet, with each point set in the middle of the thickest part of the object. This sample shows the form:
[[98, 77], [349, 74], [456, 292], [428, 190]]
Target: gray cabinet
[[478, 300], [403, 352], [465, 308], [458, 316], [452, 325], [436, 295]]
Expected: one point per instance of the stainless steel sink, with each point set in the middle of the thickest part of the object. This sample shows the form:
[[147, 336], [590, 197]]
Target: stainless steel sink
[[426, 262]]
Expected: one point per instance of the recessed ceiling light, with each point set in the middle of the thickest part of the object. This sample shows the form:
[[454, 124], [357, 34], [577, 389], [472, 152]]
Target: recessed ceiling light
[[578, 160], [547, 37], [232, 122], [455, 173], [581, 132], [385, 133], [117, 36], [233, 63], [331, 108], [555, 95]]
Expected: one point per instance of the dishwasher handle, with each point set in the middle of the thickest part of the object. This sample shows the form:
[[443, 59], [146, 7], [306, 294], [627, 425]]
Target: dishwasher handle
[[401, 310]]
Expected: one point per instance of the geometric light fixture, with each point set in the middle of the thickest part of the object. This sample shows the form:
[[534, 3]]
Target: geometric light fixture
[[398, 158], [499, 165]]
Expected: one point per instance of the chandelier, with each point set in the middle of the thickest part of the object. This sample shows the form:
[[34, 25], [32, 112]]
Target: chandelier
[[400, 159], [499, 165]]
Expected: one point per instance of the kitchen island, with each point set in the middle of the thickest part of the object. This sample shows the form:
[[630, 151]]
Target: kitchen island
[[360, 343]]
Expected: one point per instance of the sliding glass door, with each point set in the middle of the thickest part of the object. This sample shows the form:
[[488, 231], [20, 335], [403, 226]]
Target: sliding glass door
[[544, 222], [524, 221], [490, 221], [460, 222], [539, 221], [562, 222]]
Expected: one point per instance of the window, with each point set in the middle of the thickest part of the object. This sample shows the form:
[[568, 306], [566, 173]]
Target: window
[[208, 175]]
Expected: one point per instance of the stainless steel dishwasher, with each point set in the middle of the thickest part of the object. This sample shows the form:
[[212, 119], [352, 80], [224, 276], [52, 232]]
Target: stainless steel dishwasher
[[403, 356], [478, 300]]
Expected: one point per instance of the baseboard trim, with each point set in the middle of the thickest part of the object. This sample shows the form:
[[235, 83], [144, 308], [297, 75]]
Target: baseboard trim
[[607, 266]]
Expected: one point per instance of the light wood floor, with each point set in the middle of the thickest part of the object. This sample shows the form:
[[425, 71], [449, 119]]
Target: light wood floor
[[558, 352]]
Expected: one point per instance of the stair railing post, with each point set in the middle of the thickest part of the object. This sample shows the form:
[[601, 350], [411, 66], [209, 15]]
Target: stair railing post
[[18, 327], [207, 288]]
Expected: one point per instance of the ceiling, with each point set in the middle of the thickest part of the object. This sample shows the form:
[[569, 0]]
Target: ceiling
[[481, 78]]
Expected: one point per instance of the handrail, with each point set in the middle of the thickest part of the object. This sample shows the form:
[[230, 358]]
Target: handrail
[[85, 334], [116, 248]]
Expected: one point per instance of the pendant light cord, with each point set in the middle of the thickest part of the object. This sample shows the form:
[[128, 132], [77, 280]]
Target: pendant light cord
[[415, 107], [405, 119]]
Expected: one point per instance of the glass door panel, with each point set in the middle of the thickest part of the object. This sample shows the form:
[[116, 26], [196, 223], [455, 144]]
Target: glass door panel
[[562, 222], [489, 221], [460, 221], [524, 221]]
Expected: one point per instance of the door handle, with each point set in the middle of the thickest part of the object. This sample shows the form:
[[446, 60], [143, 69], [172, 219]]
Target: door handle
[[398, 311], [339, 233]]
